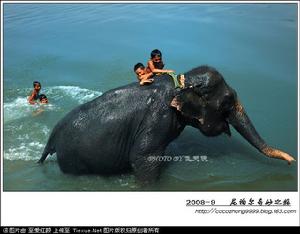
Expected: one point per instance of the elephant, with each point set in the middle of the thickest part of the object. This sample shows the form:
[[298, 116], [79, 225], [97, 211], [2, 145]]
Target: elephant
[[118, 131]]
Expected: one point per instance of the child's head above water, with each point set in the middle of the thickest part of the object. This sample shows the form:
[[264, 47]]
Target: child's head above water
[[37, 85], [43, 98]]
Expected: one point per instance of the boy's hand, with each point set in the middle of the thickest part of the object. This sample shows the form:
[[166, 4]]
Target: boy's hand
[[146, 81]]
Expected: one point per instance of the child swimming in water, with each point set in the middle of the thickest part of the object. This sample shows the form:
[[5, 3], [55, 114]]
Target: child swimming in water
[[43, 100], [35, 93]]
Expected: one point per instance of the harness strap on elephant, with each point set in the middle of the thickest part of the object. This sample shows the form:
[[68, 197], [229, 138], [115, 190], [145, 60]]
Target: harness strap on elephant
[[177, 84]]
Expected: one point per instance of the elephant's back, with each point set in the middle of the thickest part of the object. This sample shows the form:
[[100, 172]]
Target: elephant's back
[[113, 109], [132, 96]]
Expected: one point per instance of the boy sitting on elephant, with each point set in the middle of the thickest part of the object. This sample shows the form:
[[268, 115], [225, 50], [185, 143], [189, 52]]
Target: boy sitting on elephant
[[155, 67], [156, 64], [145, 76]]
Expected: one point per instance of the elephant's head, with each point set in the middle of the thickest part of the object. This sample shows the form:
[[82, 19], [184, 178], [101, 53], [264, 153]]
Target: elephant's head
[[209, 104]]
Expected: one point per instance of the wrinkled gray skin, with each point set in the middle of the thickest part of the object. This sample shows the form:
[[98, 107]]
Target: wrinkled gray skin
[[119, 130]]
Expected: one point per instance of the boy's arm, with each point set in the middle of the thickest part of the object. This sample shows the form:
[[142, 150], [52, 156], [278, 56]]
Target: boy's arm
[[31, 98], [145, 77], [155, 70]]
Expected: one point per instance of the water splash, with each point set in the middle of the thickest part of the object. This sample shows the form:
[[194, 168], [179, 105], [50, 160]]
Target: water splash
[[81, 95], [25, 151], [19, 108], [25, 135]]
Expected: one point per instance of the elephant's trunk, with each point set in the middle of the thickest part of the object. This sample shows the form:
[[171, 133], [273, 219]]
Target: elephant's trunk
[[241, 122]]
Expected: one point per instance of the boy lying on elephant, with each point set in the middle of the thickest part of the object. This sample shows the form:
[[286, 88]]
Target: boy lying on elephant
[[145, 76], [156, 64], [154, 67]]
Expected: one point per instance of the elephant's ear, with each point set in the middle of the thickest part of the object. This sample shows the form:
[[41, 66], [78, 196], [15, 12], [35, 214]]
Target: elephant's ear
[[188, 103]]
